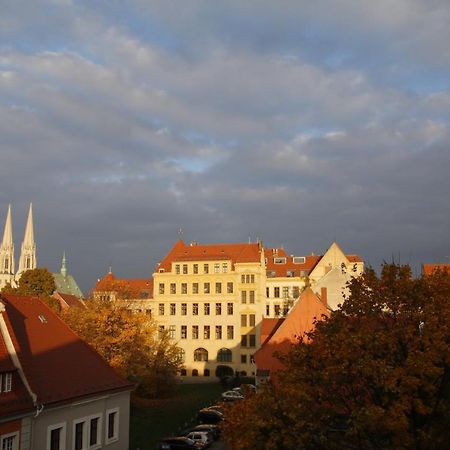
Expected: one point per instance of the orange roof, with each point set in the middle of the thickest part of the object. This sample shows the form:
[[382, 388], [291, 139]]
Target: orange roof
[[136, 286], [237, 253], [428, 269], [58, 365], [299, 321], [68, 300], [268, 327]]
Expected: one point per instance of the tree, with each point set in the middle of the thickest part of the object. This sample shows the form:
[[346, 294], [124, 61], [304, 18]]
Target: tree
[[38, 282], [375, 375], [129, 343]]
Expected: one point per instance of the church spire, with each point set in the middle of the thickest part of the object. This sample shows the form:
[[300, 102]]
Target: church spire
[[28, 251], [7, 251], [63, 266]]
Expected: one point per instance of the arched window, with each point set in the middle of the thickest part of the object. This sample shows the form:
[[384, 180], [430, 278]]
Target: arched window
[[183, 372], [224, 355], [206, 373], [200, 354], [194, 372]]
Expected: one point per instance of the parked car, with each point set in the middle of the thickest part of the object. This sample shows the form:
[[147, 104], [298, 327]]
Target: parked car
[[177, 443], [202, 438], [209, 416], [231, 396], [213, 430], [215, 408]]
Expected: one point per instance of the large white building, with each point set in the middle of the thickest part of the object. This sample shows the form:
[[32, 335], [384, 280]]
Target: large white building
[[27, 260]]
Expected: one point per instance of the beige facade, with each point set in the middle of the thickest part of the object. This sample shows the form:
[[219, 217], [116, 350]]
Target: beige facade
[[212, 306]]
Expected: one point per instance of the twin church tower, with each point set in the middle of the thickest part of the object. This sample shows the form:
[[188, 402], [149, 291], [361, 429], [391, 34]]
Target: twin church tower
[[27, 253]]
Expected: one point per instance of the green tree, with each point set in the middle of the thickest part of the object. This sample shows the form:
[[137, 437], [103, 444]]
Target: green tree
[[38, 282], [376, 374], [129, 342]]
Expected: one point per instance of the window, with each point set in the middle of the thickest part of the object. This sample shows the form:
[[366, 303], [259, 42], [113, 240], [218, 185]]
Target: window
[[244, 359], [10, 441], [112, 425], [242, 278], [252, 296], [205, 268], [224, 355], [252, 340], [290, 273], [185, 269], [200, 354], [183, 372], [173, 288], [251, 320], [243, 341], [298, 259], [247, 278], [5, 382], [206, 332], [295, 291], [229, 287], [276, 310], [183, 309], [172, 331], [183, 331], [218, 288], [271, 274], [161, 288], [195, 372], [243, 320], [206, 288], [195, 288], [177, 269], [206, 373], [173, 309], [276, 292], [95, 431], [218, 331], [206, 309], [195, 309], [79, 435], [279, 260], [285, 291], [160, 331], [267, 310], [195, 268], [184, 288], [161, 309], [230, 332], [224, 267], [218, 309], [194, 331], [181, 355], [244, 297], [56, 437], [216, 267], [230, 309], [252, 278], [267, 292]]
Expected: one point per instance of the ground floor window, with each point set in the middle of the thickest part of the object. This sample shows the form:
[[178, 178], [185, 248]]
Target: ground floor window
[[10, 441]]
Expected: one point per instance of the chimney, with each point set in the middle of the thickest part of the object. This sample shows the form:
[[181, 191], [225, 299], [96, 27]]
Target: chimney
[[323, 296]]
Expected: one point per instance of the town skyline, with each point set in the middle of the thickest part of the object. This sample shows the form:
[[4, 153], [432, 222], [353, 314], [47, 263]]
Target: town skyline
[[291, 122]]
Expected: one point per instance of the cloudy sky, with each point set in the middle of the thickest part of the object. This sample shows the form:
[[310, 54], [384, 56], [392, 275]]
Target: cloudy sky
[[292, 121]]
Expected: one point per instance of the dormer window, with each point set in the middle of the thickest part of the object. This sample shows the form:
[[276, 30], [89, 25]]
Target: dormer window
[[298, 260], [279, 260], [5, 382]]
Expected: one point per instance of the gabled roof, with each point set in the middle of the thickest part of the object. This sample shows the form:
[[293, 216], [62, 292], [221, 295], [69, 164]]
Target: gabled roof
[[68, 301], [428, 269], [299, 321], [58, 366], [134, 287], [237, 253]]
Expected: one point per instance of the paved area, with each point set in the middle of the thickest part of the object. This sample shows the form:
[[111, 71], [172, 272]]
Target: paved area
[[218, 445]]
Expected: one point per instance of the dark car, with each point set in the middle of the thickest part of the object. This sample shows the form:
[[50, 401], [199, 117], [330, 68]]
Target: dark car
[[177, 443], [209, 416]]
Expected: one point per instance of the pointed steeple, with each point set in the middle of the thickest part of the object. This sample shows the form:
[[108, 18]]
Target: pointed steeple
[[7, 252], [28, 251], [63, 266]]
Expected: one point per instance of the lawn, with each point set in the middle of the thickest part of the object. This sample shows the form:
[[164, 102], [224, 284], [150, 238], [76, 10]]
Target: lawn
[[152, 419]]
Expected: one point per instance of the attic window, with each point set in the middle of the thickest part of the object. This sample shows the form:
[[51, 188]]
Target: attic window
[[5, 382], [161, 270], [298, 260], [42, 318], [279, 260]]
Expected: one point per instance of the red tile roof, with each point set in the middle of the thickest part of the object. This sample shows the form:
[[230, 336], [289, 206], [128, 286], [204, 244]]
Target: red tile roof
[[68, 300], [237, 253], [428, 269], [58, 365], [135, 287]]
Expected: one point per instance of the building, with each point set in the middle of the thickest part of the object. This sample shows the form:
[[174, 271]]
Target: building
[[65, 283], [428, 269], [27, 258], [211, 299], [56, 392]]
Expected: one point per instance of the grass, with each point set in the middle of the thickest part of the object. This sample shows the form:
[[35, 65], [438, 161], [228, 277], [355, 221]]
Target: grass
[[153, 419]]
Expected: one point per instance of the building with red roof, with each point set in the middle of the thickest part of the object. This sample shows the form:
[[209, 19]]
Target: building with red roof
[[428, 269], [60, 393]]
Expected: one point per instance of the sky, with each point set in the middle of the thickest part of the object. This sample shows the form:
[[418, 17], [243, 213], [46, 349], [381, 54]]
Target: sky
[[290, 121]]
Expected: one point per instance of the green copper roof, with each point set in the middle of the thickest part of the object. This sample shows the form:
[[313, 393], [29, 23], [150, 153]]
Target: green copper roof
[[65, 283]]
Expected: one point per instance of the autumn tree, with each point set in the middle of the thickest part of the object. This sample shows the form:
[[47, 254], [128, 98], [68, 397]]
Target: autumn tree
[[375, 375], [130, 343]]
